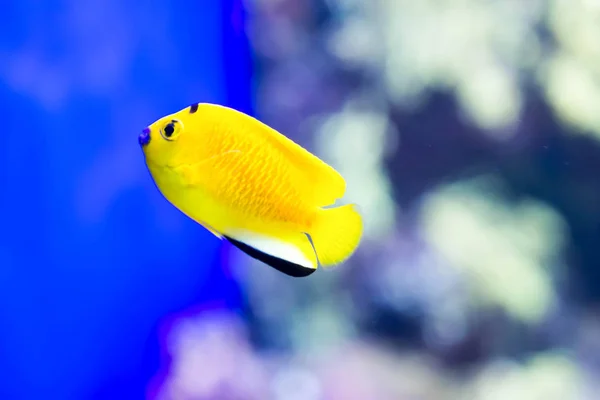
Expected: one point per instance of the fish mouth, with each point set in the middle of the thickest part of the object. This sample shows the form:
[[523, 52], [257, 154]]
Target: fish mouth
[[144, 137]]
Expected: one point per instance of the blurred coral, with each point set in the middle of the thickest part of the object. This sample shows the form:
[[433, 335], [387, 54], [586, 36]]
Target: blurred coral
[[441, 117]]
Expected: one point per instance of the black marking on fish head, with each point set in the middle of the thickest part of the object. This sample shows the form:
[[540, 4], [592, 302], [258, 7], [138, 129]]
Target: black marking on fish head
[[193, 108], [281, 265]]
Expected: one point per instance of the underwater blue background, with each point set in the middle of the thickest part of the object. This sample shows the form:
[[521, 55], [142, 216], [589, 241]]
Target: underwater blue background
[[91, 256]]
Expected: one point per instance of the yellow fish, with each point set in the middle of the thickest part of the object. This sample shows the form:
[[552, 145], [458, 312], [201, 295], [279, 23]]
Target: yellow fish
[[247, 183]]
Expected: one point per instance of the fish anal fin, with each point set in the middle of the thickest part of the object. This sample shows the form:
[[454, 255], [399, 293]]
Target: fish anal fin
[[293, 256]]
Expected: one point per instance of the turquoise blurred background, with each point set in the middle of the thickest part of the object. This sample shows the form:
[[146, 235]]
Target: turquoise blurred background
[[468, 132]]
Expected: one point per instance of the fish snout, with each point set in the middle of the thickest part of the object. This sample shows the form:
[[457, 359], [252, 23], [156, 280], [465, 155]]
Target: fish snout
[[144, 137]]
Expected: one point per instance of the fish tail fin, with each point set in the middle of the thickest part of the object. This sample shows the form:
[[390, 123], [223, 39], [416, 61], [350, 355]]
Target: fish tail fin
[[336, 234]]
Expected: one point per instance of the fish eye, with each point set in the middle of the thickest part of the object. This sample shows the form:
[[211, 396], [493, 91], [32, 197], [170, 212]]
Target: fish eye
[[170, 131]]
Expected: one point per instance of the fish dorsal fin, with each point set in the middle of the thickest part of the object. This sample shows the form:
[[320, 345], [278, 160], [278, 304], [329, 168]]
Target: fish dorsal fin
[[293, 256], [325, 183]]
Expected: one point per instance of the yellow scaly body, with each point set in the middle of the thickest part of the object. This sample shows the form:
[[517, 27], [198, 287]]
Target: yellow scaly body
[[246, 182]]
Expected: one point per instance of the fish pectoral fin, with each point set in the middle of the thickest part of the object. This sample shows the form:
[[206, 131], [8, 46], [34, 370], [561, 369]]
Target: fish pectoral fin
[[189, 172], [290, 254]]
